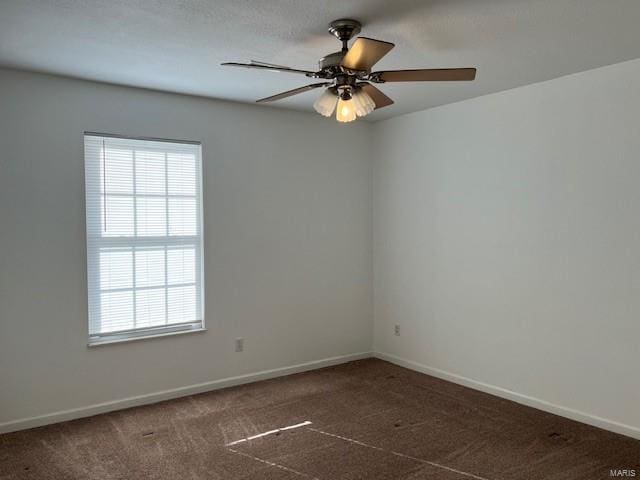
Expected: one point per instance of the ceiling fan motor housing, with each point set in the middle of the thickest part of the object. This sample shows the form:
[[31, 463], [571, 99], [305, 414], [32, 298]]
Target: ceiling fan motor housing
[[331, 60]]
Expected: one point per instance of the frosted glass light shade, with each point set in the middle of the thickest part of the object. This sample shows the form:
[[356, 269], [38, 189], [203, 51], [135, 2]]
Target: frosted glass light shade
[[363, 103], [346, 111], [326, 103]]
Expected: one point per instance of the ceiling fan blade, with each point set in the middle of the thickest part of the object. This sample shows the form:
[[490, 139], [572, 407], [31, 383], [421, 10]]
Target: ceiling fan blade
[[266, 64], [365, 53], [427, 75], [379, 98], [295, 91], [272, 68]]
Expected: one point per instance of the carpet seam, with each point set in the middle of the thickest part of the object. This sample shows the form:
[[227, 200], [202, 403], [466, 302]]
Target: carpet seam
[[398, 454]]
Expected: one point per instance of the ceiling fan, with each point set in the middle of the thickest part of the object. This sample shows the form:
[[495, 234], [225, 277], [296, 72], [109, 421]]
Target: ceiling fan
[[349, 77]]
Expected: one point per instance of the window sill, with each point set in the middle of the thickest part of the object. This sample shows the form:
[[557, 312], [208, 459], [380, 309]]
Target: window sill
[[110, 341]]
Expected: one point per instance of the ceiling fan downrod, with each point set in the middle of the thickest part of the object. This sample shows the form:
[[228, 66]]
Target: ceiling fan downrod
[[343, 30]]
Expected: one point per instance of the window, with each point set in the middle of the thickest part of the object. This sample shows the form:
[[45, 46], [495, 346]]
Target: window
[[144, 237]]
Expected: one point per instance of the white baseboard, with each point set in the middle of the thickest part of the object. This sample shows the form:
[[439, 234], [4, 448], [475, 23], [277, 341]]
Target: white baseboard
[[99, 408], [576, 415], [96, 409]]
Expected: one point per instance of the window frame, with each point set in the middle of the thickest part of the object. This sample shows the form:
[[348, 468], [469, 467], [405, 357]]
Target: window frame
[[134, 242]]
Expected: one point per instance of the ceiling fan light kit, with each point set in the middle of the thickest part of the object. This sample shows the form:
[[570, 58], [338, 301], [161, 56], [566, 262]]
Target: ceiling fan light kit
[[348, 76], [363, 103], [345, 111], [357, 102], [326, 102]]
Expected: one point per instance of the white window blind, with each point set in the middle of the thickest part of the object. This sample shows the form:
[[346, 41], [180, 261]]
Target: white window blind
[[144, 237]]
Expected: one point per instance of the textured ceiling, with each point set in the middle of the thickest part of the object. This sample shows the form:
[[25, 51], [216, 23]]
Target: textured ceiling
[[177, 45]]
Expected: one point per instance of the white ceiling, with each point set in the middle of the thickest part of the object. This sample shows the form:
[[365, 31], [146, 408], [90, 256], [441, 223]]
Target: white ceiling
[[177, 45]]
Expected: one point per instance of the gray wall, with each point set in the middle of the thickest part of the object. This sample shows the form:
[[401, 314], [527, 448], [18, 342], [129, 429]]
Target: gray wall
[[287, 242], [507, 243]]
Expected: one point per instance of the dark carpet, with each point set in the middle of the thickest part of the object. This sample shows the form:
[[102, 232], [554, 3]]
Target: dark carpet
[[369, 420]]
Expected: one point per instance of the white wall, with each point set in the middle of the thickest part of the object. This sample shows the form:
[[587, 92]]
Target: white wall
[[506, 240], [287, 242], [507, 243]]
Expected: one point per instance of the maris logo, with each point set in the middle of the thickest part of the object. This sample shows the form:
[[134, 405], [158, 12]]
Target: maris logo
[[622, 473]]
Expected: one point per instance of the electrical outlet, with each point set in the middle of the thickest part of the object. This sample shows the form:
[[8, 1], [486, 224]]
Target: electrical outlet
[[239, 344], [396, 330]]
